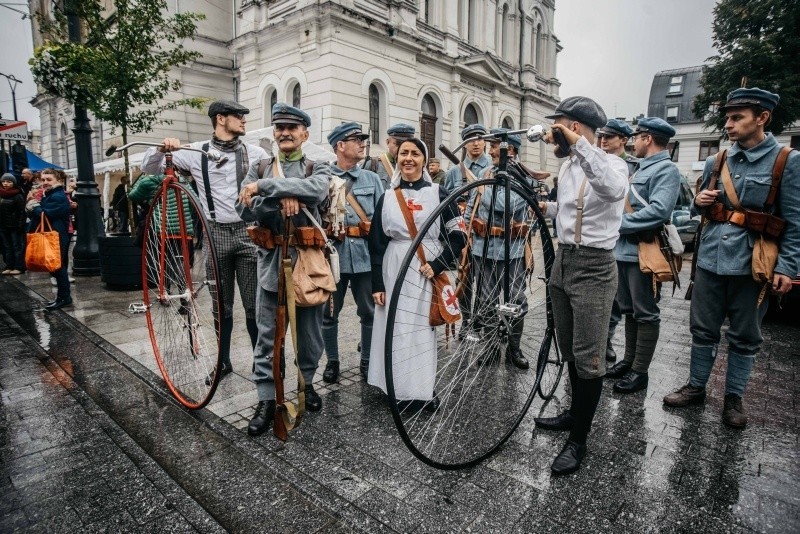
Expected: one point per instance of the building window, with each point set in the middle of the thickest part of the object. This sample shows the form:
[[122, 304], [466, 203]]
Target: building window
[[470, 115], [672, 113], [539, 49], [427, 124], [507, 124], [675, 85], [670, 147], [794, 142], [426, 10], [296, 95], [64, 146], [374, 113], [708, 148], [270, 100]]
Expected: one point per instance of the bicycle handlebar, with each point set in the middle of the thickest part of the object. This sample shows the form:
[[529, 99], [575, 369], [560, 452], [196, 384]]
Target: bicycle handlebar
[[213, 155]]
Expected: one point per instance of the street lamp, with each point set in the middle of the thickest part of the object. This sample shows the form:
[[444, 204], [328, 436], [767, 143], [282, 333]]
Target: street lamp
[[86, 254]]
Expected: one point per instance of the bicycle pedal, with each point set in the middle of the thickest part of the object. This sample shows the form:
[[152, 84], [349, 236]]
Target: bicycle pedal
[[137, 307]]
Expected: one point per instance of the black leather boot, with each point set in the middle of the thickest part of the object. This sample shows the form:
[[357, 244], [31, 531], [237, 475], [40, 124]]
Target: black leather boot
[[632, 382], [513, 353], [313, 400], [569, 459], [611, 354], [619, 369], [262, 419], [331, 373], [563, 421]]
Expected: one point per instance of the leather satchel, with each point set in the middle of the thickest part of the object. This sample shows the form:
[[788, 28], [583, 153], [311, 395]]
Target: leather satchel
[[444, 303]]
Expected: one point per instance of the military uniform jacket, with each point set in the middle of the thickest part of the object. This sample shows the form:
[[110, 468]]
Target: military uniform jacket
[[657, 181], [727, 249], [265, 209], [519, 208], [454, 179], [367, 189], [631, 161]]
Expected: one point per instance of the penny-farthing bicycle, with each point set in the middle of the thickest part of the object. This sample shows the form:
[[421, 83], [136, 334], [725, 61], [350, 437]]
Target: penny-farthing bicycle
[[181, 288], [482, 397]]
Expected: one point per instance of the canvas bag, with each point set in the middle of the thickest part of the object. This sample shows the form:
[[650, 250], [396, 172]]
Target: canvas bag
[[313, 275], [444, 303], [43, 250]]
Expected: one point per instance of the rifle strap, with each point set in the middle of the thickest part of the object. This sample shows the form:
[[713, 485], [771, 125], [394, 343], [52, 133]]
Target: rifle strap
[[730, 190], [719, 161], [777, 176], [351, 198], [387, 166], [466, 174], [293, 414]]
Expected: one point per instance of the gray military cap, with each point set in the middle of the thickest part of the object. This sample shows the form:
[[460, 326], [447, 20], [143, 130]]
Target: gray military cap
[[226, 107], [581, 109]]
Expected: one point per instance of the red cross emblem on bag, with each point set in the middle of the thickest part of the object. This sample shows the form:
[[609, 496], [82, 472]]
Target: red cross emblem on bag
[[450, 300], [413, 205]]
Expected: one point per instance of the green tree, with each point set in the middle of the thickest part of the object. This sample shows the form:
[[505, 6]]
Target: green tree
[[120, 71], [758, 43]]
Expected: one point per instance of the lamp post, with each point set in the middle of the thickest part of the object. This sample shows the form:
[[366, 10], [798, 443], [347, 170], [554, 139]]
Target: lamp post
[[86, 254], [12, 84]]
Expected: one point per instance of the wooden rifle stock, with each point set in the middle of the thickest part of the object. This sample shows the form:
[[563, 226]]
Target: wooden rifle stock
[[278, 424]]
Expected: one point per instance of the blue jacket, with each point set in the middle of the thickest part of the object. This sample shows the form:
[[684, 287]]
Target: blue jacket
[[519, 208], [727, 249], [657, 181], [367, 188], [453, 179], [55, 205]]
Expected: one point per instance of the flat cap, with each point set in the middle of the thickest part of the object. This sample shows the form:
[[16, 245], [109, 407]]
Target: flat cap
[[472, 130], [225, 107], [514, 139], [8, 176], [616, 127], [751, 97], [656, 126], [286, 114], [401, 131], [345, 130], [434, 160], [581, 109]]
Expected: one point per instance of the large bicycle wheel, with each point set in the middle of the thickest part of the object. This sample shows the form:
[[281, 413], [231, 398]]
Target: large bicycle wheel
[[549, 367], [182, 295], [479, 396]]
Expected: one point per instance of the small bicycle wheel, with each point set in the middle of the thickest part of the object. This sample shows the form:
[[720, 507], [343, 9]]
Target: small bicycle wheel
[[549, 367], [473, 394], [182, 294]]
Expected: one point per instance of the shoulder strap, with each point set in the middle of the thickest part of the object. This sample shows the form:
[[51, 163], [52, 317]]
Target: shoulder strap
[[730, 190], [386, 165], [466, 174], [262, 166], [309, 167], [207, 184], [718, 163], [412, 228], [357, 207], [777, 176]]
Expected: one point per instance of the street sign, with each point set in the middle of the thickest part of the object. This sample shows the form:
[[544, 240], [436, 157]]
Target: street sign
[[14, 130]]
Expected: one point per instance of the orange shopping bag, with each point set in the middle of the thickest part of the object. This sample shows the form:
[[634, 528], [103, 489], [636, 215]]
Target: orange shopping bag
[[43, 252]]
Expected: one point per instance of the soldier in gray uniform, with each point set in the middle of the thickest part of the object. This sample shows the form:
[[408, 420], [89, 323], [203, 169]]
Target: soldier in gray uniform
[[270, 201], [384, 164], [723, 283], [651, 198], [613, 137], [476, 161], [365, 188], [493, 266]]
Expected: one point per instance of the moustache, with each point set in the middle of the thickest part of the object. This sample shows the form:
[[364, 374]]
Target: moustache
[[286, 138]]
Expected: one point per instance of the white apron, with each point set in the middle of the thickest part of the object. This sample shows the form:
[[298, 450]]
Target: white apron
[[413, 339]]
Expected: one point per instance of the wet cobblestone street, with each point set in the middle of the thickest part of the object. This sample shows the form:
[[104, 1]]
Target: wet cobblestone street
[[91, 441]]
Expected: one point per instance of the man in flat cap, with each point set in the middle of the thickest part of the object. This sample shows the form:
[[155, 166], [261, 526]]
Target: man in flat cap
[[613, 137], [273, 195], [489, 258], [653, 192], [473, 165], [364, 189], [218, 188], [435, 170], [738, 183], [592, 186], [384, 165]]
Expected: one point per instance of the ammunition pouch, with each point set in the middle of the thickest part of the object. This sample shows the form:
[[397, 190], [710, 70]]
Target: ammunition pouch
[[518, 229], [304, 236], [769, 225]]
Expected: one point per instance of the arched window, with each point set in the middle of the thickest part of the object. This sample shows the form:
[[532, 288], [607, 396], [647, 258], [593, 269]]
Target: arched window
[[427, 124], [504, 34], [508, 124], [470, 115], [270, 99], [472, 21], [296, 95], [374, 113], [539, 48]]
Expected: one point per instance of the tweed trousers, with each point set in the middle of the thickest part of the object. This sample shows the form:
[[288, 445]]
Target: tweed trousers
[[236, 259], [582, 285]]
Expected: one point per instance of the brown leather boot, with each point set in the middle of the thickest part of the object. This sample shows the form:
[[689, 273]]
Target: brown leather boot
[[685, 396], [733, 413]]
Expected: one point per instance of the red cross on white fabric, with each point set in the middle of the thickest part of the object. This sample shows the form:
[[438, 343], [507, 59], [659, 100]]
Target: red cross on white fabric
[[413, 205]]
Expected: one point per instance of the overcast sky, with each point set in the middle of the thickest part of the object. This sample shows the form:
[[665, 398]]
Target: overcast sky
[[612, 49]]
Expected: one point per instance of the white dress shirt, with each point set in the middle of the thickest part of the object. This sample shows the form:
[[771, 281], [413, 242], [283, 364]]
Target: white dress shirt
[[224, 189], [604, 196]]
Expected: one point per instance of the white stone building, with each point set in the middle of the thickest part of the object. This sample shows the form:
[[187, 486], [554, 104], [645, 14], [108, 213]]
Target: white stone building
[[436, 64]]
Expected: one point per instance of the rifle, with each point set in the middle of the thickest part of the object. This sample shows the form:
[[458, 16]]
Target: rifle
[[368, 148], [279, 346]]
